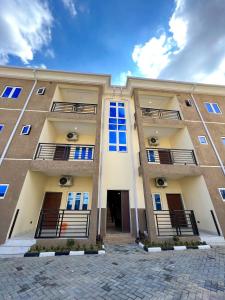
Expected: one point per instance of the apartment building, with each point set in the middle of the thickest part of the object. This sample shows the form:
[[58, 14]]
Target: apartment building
[[81, 158]]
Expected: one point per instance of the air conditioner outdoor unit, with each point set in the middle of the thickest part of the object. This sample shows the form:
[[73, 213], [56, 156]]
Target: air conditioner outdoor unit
[[66, 180], [161, 182], [153, 141], [72, 136], [41, 91]]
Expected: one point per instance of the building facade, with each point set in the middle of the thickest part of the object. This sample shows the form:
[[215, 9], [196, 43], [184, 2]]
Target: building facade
[[81, 158]]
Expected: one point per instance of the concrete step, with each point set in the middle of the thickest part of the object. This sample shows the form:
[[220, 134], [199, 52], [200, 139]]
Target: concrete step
[[18, 242], [16, 246], [213, 240], [119, 238]]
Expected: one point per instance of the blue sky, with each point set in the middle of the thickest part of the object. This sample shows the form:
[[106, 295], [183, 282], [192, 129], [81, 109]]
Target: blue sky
[[168, 39]]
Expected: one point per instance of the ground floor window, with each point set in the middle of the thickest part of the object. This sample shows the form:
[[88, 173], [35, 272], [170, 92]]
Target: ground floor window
[[77, 201], [222, 193], [157, 201]]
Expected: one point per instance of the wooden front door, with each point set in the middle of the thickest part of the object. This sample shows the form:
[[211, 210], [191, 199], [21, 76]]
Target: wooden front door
[[176, 209], [165, 157], [62, 153], [125, 211], [50, 209]]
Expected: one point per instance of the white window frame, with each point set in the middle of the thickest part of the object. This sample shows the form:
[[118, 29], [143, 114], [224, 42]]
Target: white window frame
[[223, 140], [13, 90], [199, 139], [2, 127], [29, 129], [81, 200], [153, 197], [213, 110], [7, 187], [221, 194]]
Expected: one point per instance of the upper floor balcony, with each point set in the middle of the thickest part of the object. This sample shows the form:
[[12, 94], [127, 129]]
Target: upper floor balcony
[[161, 113], [78, 108]]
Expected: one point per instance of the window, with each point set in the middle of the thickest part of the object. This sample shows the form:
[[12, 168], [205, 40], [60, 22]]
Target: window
[[157, 202], [202, 139], [3, 190], [188, 102], [11, 92], [152, 156], [83, 153], [222, 193], [222, 138], [1, 127], [117, 127], [77, 201], [212, 108], [26, 130]]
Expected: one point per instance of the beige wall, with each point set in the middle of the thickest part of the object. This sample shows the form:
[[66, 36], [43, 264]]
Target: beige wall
[[181, 140], [83, 139]]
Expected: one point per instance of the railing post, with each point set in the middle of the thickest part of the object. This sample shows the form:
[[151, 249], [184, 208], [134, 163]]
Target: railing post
[[157, 223], [193, 223], [194, 157], [60, 228]]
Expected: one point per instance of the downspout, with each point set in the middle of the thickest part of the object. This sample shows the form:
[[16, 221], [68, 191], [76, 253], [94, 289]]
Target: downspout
[[208, 133], [18, 120]]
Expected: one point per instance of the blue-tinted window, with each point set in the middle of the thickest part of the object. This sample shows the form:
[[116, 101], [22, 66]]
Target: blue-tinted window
[[3, 190], [222, 193], [1, 127], [203, 140], [112, 127], [122, 138], [122, 127], [121, 113], [121, 104], [112, 137], [26, 129], [90, 153], [70, 201], [209, 107], [11, 92], [112, 121], [7, 92], [85, 201], [122, 148], [216, 108], [151, 156], [112, 103], [213, 108], [223, 140], [112, 112], [16, 93], [112, 148], [157, 199], [77, 201], [121, 121]]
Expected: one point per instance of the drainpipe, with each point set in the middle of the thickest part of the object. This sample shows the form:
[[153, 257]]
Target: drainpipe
[[18, 120], [208, 133]]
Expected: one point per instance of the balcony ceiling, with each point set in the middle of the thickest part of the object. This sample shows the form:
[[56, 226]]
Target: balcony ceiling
[[161, 132], [81, 128], [155, 101]]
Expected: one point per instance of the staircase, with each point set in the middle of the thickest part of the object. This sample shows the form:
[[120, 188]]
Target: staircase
[[16, 247], [119, 239], [212, 239]]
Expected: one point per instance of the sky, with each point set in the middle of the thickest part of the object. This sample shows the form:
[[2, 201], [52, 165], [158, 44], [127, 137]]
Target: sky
[[166, 39]]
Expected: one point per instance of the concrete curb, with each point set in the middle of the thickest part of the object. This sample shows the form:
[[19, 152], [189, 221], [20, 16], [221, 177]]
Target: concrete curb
[[69, 253], [175, 248]]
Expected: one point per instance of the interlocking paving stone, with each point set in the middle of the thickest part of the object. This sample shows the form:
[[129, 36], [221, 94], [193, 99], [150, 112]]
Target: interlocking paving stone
[[125, 272]]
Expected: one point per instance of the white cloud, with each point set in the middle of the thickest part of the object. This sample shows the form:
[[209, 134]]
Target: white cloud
[[25, 27], [70, 6], [192, 50]]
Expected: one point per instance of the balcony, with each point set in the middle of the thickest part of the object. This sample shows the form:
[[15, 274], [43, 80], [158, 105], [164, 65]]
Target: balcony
[[63, 224], [176, 222], [78, 108], [161, 113], [64, 152], [171, 156]]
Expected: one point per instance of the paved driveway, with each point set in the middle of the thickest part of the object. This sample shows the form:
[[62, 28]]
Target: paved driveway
[[123, 273]]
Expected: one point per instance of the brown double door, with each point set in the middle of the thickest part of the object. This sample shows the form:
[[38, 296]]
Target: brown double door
[[176, 209], [50, 210]]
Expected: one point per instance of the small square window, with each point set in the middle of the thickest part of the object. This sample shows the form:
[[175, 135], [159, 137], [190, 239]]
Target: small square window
[[222, 193], [26, 130], [1, 127], [11, 92], [3, 190], [202, 139], [112, 137], [212, 108], [223, 140], [157, 202]]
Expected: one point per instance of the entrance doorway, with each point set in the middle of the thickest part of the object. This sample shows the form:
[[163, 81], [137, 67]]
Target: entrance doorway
[[176, 209], [118, 211], [51, 207]]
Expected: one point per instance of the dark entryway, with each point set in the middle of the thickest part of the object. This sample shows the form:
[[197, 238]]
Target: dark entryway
[[118, 211], [51, 206], [176, 209], [165, 157], [62, 153]]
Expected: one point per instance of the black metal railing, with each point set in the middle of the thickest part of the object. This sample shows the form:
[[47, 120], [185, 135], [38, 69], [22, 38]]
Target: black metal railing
[[63, 224], [68, 107], [176, 222], [171, 156], [51, 151], [161, 113]]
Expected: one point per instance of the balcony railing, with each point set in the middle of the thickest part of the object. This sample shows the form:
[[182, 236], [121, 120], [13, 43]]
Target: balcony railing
[[171, 156], [176, 222], [79, 108], [161, 113], [63, 224], [50, 151]]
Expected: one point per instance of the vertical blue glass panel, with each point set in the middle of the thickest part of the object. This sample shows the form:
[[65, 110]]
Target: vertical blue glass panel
[[1, 127], [85, 201], [112, 121], [122, 148], [151, 156], [122, 127], [121, 104], [112, 148], [3, 190], [121, 121], [77, 153], [16, 93], [83, 153], [122, 138], [7, 92], [216, 108], [121, 112], [209, 107], [112, 127], [112, 103], [112, 112], [112, 137], [158, 204], [70, 201], [90, 153]]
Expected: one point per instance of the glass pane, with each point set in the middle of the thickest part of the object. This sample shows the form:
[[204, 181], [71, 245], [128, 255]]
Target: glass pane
[[77, 153], [7, 92], [216, 108], [1, 127], [158, 206], [223, 140], [85, 201], [3, 189], [112, 112], [112, 103], [208, 107], [222, 192], [121, 121], [16, 93], [122, 127], [83, 153], [77, 201], [26, 129], [122, 138], [151, 156], [121, 104], [122, 148], [121, 112], [112, 137], [112, 127], [90, 153], [112, 148], [202, 140], [70, 201], [112, 121]]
